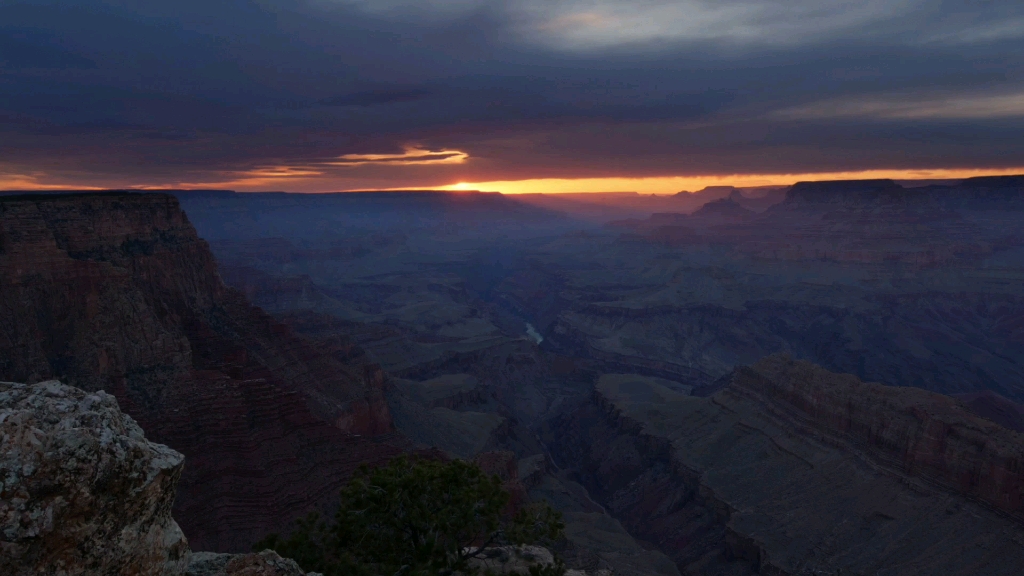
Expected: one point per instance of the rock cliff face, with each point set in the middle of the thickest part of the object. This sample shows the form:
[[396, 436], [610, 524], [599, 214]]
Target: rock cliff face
[[81, 489], [791, 469], [917, 433], [116, 292]]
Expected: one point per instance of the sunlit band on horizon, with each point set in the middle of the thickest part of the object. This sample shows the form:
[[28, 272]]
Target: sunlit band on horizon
[[301, 180], [674, 184]]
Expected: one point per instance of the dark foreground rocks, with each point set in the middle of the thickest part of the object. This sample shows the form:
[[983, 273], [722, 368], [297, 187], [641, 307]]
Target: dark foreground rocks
[[82, 492], [81, 489]]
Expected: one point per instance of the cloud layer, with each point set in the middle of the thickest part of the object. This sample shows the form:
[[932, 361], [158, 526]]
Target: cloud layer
[[335, 94]]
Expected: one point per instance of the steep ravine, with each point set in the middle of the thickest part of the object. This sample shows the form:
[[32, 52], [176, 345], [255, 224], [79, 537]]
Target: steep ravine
[[735, 484], [634, 476]]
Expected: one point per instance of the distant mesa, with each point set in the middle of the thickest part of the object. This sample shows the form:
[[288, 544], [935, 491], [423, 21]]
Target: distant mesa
[[844, 191], [995, 182], [710, 190], [725, 209], [986, 192]]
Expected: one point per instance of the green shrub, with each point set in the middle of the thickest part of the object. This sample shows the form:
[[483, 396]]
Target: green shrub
[[415, 518]]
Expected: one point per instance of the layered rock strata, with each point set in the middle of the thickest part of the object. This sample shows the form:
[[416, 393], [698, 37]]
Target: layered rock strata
[[915, 432], [81, 489], [116, 292], [791, 469]]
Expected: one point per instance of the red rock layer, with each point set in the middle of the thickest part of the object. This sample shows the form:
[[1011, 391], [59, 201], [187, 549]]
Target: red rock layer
[[919, 433], [117, 292]]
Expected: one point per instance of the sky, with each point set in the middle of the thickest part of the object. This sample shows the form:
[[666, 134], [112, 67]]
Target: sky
[[511, 95]]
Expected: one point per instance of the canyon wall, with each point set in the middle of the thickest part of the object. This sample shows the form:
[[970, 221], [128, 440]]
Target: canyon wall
[[116, 292], [917, 433], [791, 469]]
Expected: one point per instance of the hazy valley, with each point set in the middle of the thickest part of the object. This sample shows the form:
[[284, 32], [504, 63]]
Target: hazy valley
[[511, 288], [686, 387]]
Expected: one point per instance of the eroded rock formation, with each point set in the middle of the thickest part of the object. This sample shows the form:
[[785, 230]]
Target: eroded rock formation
[[116, 292], [82, 491], [791, 469], [917, 433]]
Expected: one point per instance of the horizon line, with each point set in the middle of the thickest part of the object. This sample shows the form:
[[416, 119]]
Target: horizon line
[[646, 186]]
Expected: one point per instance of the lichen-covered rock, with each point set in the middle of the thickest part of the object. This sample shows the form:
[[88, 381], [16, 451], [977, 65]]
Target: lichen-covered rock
[[81, 489], [266, 563]]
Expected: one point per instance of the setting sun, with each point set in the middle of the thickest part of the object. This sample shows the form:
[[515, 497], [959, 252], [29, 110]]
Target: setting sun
[[673, 184]]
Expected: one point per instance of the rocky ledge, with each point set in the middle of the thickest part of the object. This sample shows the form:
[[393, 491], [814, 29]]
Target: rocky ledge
[[81, 489], [83, 492]]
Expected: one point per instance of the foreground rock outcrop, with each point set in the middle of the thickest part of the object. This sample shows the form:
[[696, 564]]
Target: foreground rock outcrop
[[794, 470], [116, 292], [265, 563], [81, 489]]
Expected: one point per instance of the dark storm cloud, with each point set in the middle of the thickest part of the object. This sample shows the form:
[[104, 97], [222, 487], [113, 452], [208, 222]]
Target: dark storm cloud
[[19, 50], [524, 87], [375, 97]]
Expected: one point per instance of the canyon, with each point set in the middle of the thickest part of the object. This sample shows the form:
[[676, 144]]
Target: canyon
[[786, 381], [791, 469]]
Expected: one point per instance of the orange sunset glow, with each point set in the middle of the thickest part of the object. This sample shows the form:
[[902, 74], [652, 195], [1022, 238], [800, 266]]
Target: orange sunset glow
[[314, 181], [673, 184]]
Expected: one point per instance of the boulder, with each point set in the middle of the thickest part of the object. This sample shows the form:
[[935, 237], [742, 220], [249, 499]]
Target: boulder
[[265, 563], [81, 489]]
